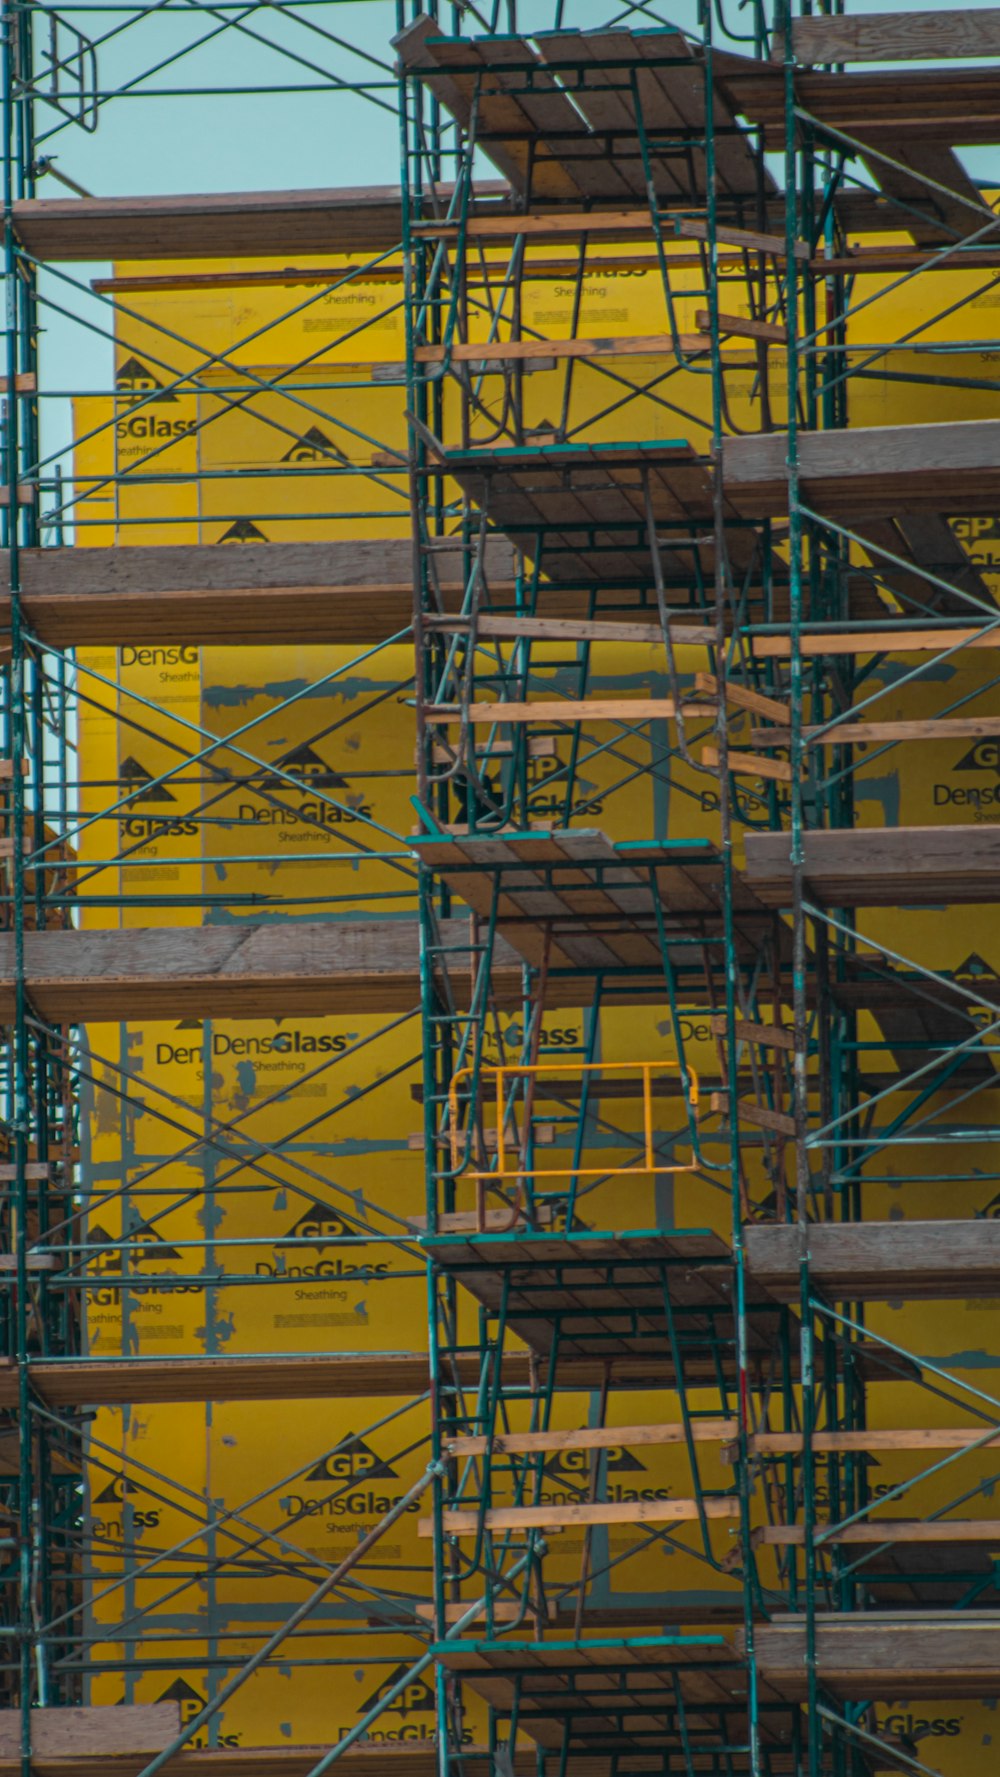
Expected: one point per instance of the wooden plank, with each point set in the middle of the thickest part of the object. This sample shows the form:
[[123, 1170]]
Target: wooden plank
[[613, 223], [760, 1114], [350, 591], [876, 641], [941, 729], [90, 976], [494, 1221], [529, 1443], [210, 225], [938, 1437], [79, 1730], [27, 494], [770, 1036], [935, 1530], [742, 698], [692, 228], [394, 1759], [518, 351], [742, 326], [936, 36], [869, 471], [743, 764], [34, 1261], [549, 629], [881, 866], [879, 1261], [613, 1511], [620, 709], [875, 1655], [25, 383]]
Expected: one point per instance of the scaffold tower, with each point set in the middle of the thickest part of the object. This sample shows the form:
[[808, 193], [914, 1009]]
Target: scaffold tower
[[499, 962]]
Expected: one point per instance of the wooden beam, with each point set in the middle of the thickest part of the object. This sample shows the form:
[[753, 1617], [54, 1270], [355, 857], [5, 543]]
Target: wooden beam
[[878, 1261], [75, 1729], [743, 326], [344, 591], [760, 1114], [743, 764], [566, 1517], [619, 709], [612, 1437], [935, 1530], [210, 225], [614, 223], [770, 1036], [880, 866], [941, 35], [742, 698], [25, 383], [876, 641], [520, 351], [549, 629], [937, 1437], [877, 1656], [693, 229], [940, 728]]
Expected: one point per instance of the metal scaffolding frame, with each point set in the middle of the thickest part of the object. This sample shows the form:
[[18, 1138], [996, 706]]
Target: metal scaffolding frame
[[677, 597]]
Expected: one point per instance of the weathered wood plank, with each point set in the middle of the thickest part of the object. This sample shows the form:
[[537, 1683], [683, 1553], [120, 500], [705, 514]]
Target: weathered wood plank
[[92, 976], [769, 1035], [941, 729], [742, 697], [937, 1437], [879, 1655], [742, 327], [128, 1727], [879, 1261], [692, 228], [949, 467], [605, 1511], [352, 591], [529, 1443], [549, 629], [743, 764], [517, 351], [881, 866], [618, 709], [940, 35], [210, 225], [877, 641], [883, 1530]]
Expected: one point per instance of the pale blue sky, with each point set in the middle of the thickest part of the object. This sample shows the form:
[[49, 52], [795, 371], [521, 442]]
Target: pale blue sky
[[241, 139]]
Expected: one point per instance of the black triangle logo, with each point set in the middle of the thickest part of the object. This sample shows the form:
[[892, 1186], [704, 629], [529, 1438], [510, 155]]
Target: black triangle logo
[[574, 1465], [150, 1238], [181, 1692], [974, 965], [320, 1226], [189, 1024], [354, 1461], [135, 378], [133, 775], [305, 763], [414, 1698], [118, 1489], [243, 531], [313, 445]]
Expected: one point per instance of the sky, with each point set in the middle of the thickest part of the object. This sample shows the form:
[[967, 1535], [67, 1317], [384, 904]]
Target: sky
[[269, 112]]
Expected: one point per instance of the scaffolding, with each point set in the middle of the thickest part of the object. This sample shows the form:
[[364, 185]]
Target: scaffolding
[[670, 1450]]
